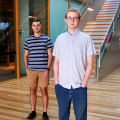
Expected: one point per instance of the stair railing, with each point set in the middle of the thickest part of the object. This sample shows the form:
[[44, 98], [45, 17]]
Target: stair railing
[[108, 35], [91, 2]]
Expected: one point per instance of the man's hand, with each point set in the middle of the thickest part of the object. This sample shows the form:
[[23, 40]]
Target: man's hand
[[56, 70], [56, 82], [26, 53], [84, 85], [26, 70], [88, 70], [46, 74]]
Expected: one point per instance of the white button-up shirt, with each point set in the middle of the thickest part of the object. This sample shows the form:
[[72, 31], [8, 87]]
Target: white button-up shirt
[[72, 51]]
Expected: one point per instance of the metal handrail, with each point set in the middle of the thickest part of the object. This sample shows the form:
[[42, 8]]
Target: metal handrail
[[91, 2], [109, 30]]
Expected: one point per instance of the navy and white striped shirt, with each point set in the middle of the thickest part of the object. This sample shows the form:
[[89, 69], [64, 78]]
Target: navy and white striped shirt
[[37, 47]]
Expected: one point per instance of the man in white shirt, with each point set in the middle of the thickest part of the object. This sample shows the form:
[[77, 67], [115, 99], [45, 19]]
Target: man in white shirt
[[73, 64]]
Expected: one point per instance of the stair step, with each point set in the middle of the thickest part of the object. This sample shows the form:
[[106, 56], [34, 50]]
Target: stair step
[[111, 7], [102, 20], [104, 17], [96, 33], [108, 6], [98, 37], [97, 50], [94, 30], [107, 15], [98, 23], [102, 10], [97, 45], [98, 41], [111, 3], [111, 0], [96, 26], [115, 4], [107, 12]]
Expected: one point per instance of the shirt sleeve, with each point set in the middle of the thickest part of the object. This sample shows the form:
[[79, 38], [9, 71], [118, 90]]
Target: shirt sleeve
[[56, 51], [49, 44], [26, 47], [90, 47]]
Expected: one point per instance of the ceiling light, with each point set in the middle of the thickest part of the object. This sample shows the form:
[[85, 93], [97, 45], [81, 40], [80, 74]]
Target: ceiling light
[[90, 9]]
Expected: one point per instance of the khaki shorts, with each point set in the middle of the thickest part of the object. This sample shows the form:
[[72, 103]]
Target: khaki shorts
[[35, 78]]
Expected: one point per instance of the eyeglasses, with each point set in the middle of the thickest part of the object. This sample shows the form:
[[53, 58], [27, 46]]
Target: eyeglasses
[[72, 18]]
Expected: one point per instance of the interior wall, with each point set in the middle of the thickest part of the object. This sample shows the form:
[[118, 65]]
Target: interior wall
[[111, 61], [58, 9], [74, 3]]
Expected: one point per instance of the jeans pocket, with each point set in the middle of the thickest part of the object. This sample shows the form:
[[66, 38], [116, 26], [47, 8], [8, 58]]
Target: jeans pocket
[[56, 84]]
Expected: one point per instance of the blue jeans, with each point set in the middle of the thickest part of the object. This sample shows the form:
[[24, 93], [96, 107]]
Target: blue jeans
[[79, 98]]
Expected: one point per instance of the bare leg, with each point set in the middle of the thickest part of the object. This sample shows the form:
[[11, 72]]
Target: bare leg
[[33, 97], [44, 98]]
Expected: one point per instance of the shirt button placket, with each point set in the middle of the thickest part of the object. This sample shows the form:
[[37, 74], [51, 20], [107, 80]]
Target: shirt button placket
[[71, 49]]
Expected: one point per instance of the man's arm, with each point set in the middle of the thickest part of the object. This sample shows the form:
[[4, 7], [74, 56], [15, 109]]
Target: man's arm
[[56, 70], [88, 70], [50, 57], [26, 53]]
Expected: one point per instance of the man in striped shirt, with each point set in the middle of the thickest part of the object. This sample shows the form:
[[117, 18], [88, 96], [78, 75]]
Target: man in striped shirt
[[37, 60]]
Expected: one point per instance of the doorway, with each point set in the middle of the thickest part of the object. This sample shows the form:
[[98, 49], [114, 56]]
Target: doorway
[[7, 41]]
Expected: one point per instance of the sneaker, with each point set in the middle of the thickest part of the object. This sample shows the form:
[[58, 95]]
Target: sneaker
[[31, 116], [45, 117]]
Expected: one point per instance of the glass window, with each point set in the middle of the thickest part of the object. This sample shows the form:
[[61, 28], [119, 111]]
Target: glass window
[[29, 10]]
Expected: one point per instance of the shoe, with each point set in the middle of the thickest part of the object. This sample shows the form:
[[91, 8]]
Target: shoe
[[31, 116], [45, 117]]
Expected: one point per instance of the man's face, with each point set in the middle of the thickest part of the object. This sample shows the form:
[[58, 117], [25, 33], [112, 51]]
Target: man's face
[[36, 26], [72, 20]]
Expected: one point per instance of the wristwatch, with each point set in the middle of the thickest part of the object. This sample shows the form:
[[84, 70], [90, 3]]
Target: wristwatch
[[48, 69]]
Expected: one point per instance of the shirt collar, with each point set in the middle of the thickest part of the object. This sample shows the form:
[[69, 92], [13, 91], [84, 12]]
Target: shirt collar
[[74, 34], [37, 37]]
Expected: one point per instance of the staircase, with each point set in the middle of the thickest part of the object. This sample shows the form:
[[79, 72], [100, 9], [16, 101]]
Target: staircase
[[98, 28]]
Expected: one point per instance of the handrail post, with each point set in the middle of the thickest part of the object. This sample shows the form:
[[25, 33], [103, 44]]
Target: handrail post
[[95, 67], [99, 55], [113, 27]]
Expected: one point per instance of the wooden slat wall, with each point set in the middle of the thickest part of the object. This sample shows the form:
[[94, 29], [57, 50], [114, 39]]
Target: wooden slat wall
[[103, 100]]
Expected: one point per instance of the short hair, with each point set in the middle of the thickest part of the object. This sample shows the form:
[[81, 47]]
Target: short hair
[[73, 10], [36, 20]]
